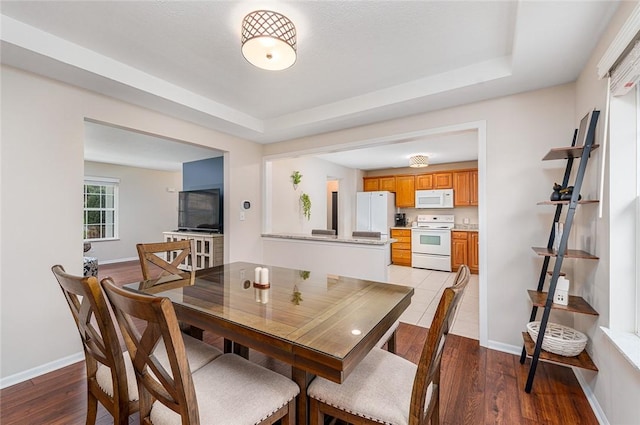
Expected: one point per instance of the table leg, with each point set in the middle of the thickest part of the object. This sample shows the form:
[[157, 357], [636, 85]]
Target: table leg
[[302, 378], [241, 350], [228, 346]]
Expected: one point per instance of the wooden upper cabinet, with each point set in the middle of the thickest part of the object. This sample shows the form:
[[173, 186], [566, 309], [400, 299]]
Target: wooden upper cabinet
[[424, 181], [434, 181], [405, 192], [465, 188], [371, 184], [442, 180], [387, 183]]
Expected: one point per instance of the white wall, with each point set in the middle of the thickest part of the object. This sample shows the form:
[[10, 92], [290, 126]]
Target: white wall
[[146, 208], [286, 213], [616, 386], [42, 169], [520, 131]]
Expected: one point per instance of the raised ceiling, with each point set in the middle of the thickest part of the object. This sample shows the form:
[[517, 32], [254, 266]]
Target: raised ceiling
[[359, 62]]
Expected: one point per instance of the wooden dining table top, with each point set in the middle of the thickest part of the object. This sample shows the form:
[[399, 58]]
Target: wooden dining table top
[[319, 323]]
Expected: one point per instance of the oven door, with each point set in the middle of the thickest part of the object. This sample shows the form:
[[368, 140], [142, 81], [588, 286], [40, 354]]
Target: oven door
[[431, 241]]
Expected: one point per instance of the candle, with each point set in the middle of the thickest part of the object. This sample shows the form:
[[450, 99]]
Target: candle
[[264, 276], [256, 279], [264, 297], [257, 294]]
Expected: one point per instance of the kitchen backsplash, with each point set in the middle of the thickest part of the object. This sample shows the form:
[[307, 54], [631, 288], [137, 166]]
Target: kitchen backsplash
[[463, 215]]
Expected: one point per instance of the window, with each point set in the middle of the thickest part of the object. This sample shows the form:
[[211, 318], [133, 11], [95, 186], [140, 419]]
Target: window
[[100, 209]]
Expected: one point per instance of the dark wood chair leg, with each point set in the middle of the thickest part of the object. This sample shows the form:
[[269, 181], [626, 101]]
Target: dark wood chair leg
[[92, 408]]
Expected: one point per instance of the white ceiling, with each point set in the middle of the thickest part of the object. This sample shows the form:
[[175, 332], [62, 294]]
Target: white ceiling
[[359, 62]]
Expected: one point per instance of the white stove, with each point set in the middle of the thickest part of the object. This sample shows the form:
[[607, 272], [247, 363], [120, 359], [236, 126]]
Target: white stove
[[431, 242]]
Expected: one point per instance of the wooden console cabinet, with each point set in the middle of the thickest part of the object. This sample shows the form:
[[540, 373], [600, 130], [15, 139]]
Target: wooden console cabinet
[[209, 247], [401, 250]]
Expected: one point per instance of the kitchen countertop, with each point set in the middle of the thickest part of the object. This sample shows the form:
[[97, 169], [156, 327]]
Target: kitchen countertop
[[338, 239], [457, 228]]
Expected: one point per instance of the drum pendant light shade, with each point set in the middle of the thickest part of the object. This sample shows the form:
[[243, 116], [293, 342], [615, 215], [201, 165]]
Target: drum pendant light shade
[[419, 161], [268, 40]]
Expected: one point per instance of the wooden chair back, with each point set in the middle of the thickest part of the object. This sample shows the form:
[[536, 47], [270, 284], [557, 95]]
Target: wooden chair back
[[428, 373], [174, 253], [174, 388], [100, 342], [323, 232]]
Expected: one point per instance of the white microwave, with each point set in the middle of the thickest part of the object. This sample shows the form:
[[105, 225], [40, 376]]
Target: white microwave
[[439, 198]]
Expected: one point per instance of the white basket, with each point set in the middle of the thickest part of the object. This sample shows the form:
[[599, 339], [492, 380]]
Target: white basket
[[559, 339]]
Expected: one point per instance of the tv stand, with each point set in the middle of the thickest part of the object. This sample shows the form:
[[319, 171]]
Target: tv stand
[[209, 247]]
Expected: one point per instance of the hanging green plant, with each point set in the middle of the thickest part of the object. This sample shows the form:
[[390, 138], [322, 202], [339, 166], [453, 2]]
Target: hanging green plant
[[306, 205], [296, 177]]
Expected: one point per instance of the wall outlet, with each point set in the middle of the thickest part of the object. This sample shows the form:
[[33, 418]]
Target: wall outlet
[[241, 215]]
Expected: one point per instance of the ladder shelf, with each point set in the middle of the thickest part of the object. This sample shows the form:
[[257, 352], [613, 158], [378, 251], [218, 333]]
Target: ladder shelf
[[580, 149]]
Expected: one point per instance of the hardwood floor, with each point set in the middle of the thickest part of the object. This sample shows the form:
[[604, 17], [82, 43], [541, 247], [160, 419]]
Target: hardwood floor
[[479, 386]]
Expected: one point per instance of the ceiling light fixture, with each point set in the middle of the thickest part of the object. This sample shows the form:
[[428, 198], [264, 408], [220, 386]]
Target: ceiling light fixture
[[268, 40], [418, 161]]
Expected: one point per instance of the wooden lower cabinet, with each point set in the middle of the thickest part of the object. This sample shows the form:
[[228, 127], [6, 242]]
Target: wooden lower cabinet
[[401, 250], [474, 257], [464, 250]]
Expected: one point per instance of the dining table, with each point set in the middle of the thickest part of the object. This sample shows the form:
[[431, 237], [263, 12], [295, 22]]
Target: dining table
[[318, 323]]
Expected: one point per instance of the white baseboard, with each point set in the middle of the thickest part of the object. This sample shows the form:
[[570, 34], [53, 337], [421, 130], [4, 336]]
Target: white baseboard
[[591, 397], [505, 348], [41, 370]]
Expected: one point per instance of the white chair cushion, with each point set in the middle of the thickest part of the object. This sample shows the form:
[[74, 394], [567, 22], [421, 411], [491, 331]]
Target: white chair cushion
[[198, 354], [231, 390], [379, 388]]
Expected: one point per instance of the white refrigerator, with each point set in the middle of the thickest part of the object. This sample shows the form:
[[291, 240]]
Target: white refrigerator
[[375, 211]]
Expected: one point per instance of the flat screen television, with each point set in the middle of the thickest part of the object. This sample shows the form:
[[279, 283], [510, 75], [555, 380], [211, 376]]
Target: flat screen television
[[200, 210]]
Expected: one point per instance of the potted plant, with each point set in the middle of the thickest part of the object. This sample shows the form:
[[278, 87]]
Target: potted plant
[[306, 205], [296, 177]]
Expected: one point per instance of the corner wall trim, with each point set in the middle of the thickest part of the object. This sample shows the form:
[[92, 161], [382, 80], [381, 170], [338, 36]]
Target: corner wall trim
[[41, 370]]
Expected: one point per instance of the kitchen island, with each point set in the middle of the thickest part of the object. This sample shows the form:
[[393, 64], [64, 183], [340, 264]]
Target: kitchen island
[[362, 258]]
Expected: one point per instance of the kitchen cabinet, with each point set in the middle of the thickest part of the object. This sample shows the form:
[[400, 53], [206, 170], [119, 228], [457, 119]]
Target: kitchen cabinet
[[464, 250], [401, 250], [434, 181], [371, 184], [387, 183], [443, 180], [474, 248], [465, 188], [405, 192], [424, 182]]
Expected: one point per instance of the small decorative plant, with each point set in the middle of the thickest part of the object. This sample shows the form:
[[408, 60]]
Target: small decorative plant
[[296, 298], [296, 177], [306, 205]]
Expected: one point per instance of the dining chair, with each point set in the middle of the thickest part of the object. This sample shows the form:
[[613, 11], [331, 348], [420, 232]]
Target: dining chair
[[174, 253], [323, 232], [110, 377], [230, 389], [384, 387]]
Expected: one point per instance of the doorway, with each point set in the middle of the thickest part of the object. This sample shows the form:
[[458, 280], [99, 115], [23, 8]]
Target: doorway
[[332, 204]]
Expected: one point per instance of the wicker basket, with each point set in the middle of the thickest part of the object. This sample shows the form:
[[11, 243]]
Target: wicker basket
[[559, 339]]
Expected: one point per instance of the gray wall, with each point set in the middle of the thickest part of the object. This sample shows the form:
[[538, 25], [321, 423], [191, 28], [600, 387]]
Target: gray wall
[[146, 208]]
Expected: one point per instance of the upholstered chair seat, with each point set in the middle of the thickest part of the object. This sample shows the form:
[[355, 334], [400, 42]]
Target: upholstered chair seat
[[233, 390], [379, 388], [198, 354]]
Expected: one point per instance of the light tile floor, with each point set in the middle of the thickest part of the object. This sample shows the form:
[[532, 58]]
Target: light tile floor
[[428, 286]]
